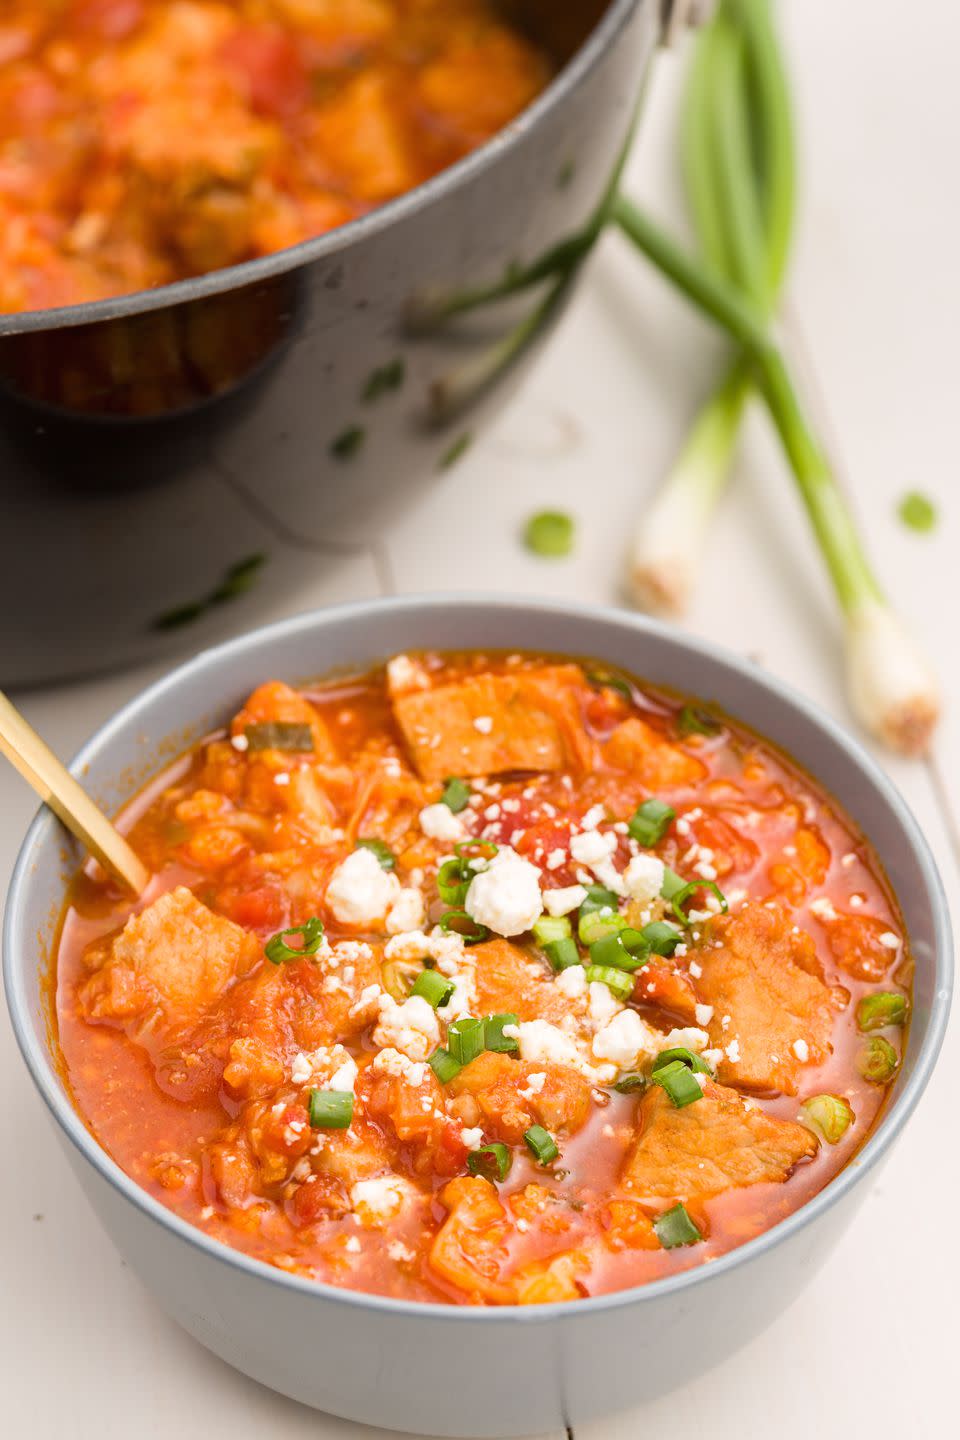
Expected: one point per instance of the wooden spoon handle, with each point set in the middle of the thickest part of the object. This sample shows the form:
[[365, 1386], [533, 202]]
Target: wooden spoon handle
[[57, 788]]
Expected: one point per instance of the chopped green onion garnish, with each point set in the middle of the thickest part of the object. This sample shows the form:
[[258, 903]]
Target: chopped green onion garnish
[[348, 442], [459, 448], [602, 679], [330, 1109], [877, 1060], [693, 720], [674, 1227], [456, 794], [918, 512], [634, 940], [679, 1082], [384, 379], [630, 1084], [831, 1115], [541, 1144], [618, 981], [650, 822], [443, 1065], [462, 924], [278, 951], [278, 735], [678, 900], [562, 953], [662, 938], [493, 1036], [685, 1056], [597, 924], [475, 850], [436, 989], [598, 898], [452, 887], [382, 851], [549, 533], [492, 1161], [883, 1008], [551, 927], [672, 883], [465, 1039], [610, 950]]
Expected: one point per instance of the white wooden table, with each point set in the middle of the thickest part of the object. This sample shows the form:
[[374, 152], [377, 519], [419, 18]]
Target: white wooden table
[[84, 1352]]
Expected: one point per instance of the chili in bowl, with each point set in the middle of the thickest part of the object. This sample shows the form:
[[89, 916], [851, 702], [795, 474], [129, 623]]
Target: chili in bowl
[[476, 986]]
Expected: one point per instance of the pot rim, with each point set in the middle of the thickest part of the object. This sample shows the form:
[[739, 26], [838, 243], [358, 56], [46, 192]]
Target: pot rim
[[328, 245], [44, 832]]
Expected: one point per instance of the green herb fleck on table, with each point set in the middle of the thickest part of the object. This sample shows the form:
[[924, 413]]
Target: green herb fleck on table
[[348, 442], [918, 512], [550, 534]]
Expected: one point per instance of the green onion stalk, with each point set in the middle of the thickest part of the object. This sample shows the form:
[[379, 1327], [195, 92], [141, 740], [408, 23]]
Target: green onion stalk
[[743, 202], [739, 170]]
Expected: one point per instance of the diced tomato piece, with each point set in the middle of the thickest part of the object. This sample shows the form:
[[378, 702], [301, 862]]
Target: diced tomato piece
[[268, 64]]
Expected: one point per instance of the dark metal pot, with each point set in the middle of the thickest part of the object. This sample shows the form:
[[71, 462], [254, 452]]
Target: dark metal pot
[[174, 450]]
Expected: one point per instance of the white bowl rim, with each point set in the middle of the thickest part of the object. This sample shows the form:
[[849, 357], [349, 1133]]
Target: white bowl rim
[[45, 828]]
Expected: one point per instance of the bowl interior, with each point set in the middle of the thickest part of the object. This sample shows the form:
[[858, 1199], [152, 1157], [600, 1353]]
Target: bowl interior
[[202, 694]]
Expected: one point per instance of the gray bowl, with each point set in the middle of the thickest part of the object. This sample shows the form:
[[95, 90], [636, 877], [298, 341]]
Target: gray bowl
[[264, 446], [438, 1369]]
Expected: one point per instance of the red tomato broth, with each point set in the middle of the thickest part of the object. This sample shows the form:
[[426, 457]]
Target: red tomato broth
[[161, 1133]]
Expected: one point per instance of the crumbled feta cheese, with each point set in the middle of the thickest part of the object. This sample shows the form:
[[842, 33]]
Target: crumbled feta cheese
[[686, 1037], [556, 858], [404, 675], [399, 1067], [301, 1069], [593, 817], [856, 901], [624, 1039], [822, 907], [703, 1013], [344, 1077], [378, 1199], [889, 941], [706, 871], [352, 1243], [733, 1051], [492, 812], [281, 778], [438, 822], [406, 913], [595, 850], [534, 1085], [561, 902], [484, 724], [572, 981], [847, 860], [603, 1003], [411, 1027], [643, 878], [506, 896], [473, 1139], [461, 1002], [240, 742], [400, 1252], [802, 1050], [367, 998], [695, 970], [360, 890]]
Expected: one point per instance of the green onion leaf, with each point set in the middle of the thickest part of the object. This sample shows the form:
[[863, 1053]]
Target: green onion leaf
[[562, 953], [492, 1161], [384, 379], [678, 900], [597, 924], [598, 898], [603, 680], [541, 1144], [461, 924], [475, 850], [635, 941], [551, 927], [549, 534], [831, 1115], [650, 822], [617, 981], [674, 1227], [278, 951], [672, 883], [452, 887], [630, 1084], [693, 720], [679, 1082], [465, 1039], [877, 1061], [456, 794], [662, 938], [493, 1036], [384, 854], [456, 451], [882, 1008], [610, 950], [348, 442], [279, 735], [685, 1056], [436, 989], [330, 1109], [443, 1065]]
